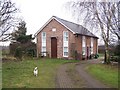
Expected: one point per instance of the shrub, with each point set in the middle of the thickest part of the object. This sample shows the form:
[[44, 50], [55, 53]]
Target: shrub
[[114, 58], [96, 56], [31, 52], [8, 58], [18, 53]]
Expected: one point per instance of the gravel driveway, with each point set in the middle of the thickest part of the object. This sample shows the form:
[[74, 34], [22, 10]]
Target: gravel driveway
[[78, 78]]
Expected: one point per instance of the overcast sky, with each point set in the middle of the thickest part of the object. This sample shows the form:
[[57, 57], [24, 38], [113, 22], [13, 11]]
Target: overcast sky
[[37, 12]]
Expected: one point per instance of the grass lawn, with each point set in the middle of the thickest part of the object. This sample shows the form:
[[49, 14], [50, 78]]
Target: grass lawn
[[101, 54], [105, 73], [20, 74], [0, 75]]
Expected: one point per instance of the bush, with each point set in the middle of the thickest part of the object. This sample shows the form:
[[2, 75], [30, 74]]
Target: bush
[[13, 47], [116, 55], [18, 53], [114, 58], [117, 49], [8, 58], [96, 56], [31, 52]]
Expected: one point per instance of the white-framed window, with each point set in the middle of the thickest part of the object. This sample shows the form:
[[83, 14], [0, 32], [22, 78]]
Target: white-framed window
[[65, 36], [92, 41], [53, 29], [83, 45], [65, 43], [65, 51], [43, 47]]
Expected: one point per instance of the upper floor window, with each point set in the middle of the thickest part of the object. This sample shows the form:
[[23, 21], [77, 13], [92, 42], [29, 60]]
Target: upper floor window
[[43, 36], [65, 36]]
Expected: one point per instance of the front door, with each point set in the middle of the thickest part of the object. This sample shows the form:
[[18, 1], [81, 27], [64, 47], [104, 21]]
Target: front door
[[87, 52], [53, 47]]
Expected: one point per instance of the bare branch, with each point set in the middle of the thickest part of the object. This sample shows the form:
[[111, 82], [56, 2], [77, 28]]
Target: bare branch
[[7, 18], [102, 15]]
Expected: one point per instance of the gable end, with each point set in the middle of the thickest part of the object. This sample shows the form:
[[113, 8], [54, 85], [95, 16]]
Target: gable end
[[52, 18]]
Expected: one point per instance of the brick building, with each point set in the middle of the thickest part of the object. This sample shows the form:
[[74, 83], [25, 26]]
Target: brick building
[[59, 38]]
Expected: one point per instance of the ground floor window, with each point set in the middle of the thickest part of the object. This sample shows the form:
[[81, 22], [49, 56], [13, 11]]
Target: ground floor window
[[65, 51], [43, 53], [83, 50]]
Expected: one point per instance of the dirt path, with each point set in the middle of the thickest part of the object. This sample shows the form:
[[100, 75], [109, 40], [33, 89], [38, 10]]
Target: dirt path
[[63, 80], [77, 78]]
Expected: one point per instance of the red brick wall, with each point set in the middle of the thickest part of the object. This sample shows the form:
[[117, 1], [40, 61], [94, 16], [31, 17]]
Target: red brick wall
[[38, 44], [95, 47], [59, 34], [88, 45], [88, 41], [75, 42], [78, 46]]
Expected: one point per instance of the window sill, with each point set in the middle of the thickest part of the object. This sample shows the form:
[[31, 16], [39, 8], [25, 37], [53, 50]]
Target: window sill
[[65, 56]]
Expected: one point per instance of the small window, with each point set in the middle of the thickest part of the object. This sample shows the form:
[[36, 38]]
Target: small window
[[43, 49], [43, 34], [54, 29], [65, 51], [66, 54], [65, 36]]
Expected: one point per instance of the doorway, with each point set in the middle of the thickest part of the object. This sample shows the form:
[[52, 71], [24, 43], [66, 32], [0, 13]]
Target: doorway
[[53, 47]]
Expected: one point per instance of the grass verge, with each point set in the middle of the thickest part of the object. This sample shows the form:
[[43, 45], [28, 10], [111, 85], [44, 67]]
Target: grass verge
[[105, 73], [20, 74], [0, 75]]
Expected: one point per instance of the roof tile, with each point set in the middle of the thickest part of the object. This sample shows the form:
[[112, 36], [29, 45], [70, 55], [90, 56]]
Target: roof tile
[[78, 29]]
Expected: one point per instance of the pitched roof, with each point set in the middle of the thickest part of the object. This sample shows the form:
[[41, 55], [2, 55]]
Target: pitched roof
[[73, 27]]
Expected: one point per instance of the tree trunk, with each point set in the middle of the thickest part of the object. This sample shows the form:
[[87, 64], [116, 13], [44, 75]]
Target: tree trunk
[[106, 59], [107, 42]]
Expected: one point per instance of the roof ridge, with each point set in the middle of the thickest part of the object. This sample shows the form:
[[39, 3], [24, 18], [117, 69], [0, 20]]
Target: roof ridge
[[72, 26], [76, 25], [67, 21]]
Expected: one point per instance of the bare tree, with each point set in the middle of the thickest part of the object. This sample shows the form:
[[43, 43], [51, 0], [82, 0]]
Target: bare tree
[[99, 14], [7, 18]]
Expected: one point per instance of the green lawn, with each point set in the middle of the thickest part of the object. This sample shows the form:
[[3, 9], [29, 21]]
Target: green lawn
[[105, 73], [20, 74], [101, 54], [0, 75]]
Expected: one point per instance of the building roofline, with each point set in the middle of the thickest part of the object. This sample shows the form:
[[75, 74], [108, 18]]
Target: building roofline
[[87, 35], [53, 17], [59, 21]]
